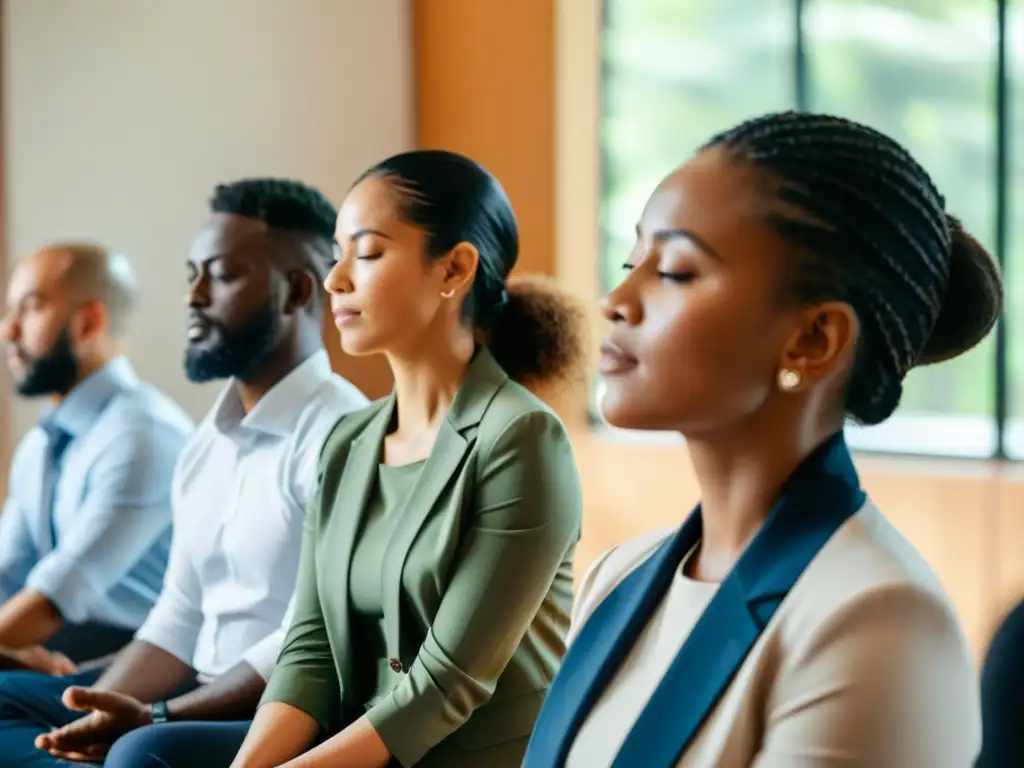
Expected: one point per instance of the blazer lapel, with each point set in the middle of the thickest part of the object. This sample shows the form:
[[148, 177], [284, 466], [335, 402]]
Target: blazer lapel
[[351, 495], [445, 459], [604, 642], [817, 499], [482, 382]]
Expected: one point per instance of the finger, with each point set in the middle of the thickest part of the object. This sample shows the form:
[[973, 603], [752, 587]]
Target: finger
[[78, 757], [46, 741], [63, 665], [79, 698], [75, 735]]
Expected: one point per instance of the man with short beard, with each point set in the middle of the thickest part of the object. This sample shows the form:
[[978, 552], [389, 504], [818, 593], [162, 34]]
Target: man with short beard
[[240, 492], [86, 527]]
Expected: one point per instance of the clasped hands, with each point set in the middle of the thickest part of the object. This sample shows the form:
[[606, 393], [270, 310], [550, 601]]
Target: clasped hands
[[111, 715]]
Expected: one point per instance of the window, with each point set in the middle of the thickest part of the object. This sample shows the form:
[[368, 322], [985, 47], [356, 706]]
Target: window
[[925, 73], [676, 72]]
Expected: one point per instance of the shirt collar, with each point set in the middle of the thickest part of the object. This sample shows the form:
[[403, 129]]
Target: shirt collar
[[278, 410], [79, 410]]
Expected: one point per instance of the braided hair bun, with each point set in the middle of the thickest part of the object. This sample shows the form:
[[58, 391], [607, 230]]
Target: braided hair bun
[[972, 303], [870, 229]]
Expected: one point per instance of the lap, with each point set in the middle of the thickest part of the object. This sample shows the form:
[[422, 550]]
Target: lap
[[179, 745], [35, 696], [30, 705]]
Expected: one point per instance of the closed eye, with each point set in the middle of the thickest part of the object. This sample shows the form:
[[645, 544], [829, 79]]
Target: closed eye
[[678, 277], [370, 256]]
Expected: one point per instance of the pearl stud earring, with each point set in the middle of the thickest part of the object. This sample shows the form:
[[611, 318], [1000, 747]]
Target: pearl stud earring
[[788, 379]]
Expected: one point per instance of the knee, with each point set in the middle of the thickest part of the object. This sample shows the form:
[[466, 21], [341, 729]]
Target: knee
[[17, 690], [147, 747]]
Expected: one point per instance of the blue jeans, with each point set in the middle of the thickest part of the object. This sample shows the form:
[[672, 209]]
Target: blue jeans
[[30, 706], [179, 745]]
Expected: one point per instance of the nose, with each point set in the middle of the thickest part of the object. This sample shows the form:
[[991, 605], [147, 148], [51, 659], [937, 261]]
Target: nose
[[620, 307], [338, 280], [9, 329], [198, 294]]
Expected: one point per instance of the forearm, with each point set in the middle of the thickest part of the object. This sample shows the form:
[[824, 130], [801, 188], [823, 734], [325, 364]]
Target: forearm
[[9, 660], [278, 733], [145, 672], [358, 746], [28, 618], [232, 696]]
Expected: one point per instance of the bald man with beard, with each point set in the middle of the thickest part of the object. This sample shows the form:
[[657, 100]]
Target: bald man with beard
[[85, 530]]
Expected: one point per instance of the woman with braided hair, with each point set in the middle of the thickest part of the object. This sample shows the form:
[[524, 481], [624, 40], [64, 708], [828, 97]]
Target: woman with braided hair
[[785, 278]]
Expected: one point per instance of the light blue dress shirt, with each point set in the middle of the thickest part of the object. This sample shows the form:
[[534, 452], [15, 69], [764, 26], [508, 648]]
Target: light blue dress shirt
[[96, 542]]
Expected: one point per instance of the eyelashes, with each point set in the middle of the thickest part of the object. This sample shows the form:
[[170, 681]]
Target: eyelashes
[[676, 277]]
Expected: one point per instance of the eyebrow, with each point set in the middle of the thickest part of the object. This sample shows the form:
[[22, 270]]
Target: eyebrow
[[218, 256], [363, 232], [678, 233]]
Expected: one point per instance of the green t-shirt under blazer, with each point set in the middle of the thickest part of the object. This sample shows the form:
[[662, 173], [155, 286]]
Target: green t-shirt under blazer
[[475, 555]]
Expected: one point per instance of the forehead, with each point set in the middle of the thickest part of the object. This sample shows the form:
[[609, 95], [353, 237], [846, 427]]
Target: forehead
[[717, 198], [226, 234], [39, 273], [370, 204]]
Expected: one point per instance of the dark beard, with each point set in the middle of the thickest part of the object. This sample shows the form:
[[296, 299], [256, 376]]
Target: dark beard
[[54, 373], [240, 353]]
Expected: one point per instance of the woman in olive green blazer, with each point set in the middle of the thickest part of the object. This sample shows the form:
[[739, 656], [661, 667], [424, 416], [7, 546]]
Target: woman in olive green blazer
[[435, 586]]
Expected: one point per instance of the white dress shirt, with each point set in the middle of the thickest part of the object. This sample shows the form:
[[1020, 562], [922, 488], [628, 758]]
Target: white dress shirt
[[240, 493]]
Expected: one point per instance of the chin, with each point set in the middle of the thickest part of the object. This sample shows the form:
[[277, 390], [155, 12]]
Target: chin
[[615, 407], [620, 409], [356, 345]]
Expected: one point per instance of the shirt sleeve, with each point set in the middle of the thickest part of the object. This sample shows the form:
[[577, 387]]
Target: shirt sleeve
[[888, 682], [262, 657], [17, 550], [126, 511], [526, 518], [305, 676], [177, 618]]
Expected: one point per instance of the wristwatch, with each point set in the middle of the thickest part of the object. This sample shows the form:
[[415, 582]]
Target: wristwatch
[[159, 709]]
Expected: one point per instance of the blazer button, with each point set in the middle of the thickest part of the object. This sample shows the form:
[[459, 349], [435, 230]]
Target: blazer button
[[396, 665]]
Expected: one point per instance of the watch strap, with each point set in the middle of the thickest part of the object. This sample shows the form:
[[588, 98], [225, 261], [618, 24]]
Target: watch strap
[[159, 712]]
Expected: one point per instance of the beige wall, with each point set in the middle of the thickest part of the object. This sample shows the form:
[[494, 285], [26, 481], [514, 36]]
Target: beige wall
[[121, 115]]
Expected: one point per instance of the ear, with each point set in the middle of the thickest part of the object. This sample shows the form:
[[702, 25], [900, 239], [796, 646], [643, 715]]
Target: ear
[[460, 267], [301, 288], [89, 321], [822, 344]]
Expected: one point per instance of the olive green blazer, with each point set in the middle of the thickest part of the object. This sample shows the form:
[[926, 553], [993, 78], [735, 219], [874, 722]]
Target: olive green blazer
[[476, 581]]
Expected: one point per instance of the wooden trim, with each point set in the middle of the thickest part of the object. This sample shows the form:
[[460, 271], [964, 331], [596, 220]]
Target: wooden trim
[[577, 153]]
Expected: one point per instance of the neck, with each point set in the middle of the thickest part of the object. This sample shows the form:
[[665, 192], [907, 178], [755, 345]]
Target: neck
[[87, 366], [741, 476], [427, 379], [283, 360]]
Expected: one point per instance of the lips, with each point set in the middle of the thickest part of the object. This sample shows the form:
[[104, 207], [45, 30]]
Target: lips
[[344, 316], [614, 359], [198, 329]]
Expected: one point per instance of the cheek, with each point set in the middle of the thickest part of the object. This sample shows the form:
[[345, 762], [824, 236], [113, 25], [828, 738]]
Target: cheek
[[38, 333], [395, 304], [704, 362]]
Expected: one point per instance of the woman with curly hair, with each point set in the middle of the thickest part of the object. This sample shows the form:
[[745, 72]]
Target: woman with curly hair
[[436, 578]]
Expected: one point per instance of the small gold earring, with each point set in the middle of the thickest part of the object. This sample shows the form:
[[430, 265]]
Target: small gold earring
[[788, 379], [447, 294]]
